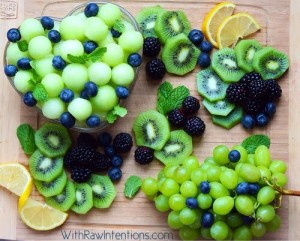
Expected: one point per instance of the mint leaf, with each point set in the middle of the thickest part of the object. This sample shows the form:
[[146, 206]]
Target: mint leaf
[[25, 134], [33, 65], [96, 54], [119, 111], [77, 59], [119, 26], [22, 45], [163, 92], [132, 186], [111, 117], [254, 141], [40, 93]]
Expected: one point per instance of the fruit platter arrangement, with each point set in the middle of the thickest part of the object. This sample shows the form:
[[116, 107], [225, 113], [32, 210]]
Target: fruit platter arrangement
[[150, 114]]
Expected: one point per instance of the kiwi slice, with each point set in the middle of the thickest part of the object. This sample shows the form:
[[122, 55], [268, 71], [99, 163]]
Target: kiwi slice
[[224, 63], [220, 107], [65, 199], [104, 191], [83, 198], [146, 19], [177, 148], [151, 129], [53, 188], [210, 85], [229, 121], [270, 63], [245, 51], [52, 140], [170, 24], [180, 55]]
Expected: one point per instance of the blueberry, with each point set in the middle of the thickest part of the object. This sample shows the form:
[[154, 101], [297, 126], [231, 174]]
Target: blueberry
[[206, 47], [234, 156], [134, 60], [247, 219], [89, 46], [24, 63], [91, 10], [67, 120], [248, 122], [205, 187], [204, 60], [47, 22], [116, 161], [109, 150], [253, 188], [196, 36], [13, 35], [28, 99], [191, 202], [270, 108], [58, 63], [91, 88], [66, 95], [84, 94], [54, 36], [242, 188], [122, 92], [115, 173], [207, 219], [115, 33], [10, 70], [262, 119], [104, 139], [93, 121]]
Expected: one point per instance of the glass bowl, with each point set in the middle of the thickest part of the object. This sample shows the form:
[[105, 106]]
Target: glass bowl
[[82, 127]]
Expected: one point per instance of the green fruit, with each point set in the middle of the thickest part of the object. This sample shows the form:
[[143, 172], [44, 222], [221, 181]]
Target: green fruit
[[229, 121], [220, 107], [83, 198]]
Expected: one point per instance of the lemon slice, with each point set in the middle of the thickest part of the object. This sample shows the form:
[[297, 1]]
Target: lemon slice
[[214, 18], [234, 28]]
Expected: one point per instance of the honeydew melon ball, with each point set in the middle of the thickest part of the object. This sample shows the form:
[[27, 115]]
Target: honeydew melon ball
[[56, 25], [128, 26], [109, 13], [73, 47], [105, 100], [22, 81], [95, 29], [53, 108], [114, 55], [80, 108], [82, 16], [39, 47], [53, 84], [99, 73], [72, 27], [56, 48], [31, 28], [131, 41], [44, 66], [13, 54], [75, 76], [122, 74], [108, 39]]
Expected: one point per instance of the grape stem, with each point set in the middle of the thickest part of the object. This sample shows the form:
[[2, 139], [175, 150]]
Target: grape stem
[[289, 192]]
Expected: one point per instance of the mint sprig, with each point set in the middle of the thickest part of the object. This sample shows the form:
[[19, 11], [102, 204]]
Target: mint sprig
[[40, 93], [25, 134], [94, 56], [22, 45], [254, 141], [117, 111], [119, 26], [132, 186]]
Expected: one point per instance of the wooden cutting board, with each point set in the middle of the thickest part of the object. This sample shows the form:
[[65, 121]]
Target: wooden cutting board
[[279, 20]]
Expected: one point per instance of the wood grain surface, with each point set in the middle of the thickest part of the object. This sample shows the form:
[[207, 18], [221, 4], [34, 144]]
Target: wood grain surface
[[279, 20]]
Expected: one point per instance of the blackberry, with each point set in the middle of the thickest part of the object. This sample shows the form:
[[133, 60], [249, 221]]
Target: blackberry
[[143, 155], [122, 142], [190, 105], [155, 69], [82, 155], [151, 47], [176, 118], [80, 174], [87, 139], [253, 106], [236, 93], [256, 88], [249, 77], [273, 90], [194, 126], [100, 163], [69, 162]]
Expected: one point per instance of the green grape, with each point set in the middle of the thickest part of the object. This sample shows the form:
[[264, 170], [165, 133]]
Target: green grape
[[160, 182], [205, 233], [265, 195], [249, 173], [238, 167], [240, 180], [218, 217], [151, 198], [13, 54], [113, 56], [187, 233], [265, 213], [106, 98], [251, 159], [197, 223], [230, 234], [243, 152], [109, 13], [253, 199], [150, 186], [210, 160], [169, 187], [80, 108], [44, 66], [31, 28], [99, 73], [53, 84], [223, 205], [122, 74], [177, 202], [39, 47], [161, 175], [279, 179], [75, 76], [219, 230], [213, 174], [191, 163], [187, 216], [181, 174], [162, 203], [218, 190], [258, 229], [278, 166], [188, 189], [174, 221], [53, 108], [220, 154], [229, 178], [170, 171], [22, 81], [274, 224], [205, 166], [262, 156], [198, 176], [72, 27], [131, 41], [204, 201], [264, 173], [234, 220], [95, 29], [244, 205], [242, 233], [73, 47]]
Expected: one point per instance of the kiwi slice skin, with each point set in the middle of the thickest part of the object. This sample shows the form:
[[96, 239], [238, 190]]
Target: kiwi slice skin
[[229, 121], [245, 51], [210, 85], [270, 63], [53, 140], [177, 148], [220, 107], [83, 198], [180, 55], [65, 199], [224, 63], [170, 24], [53, 188], [151, 129], [43, 168], [104, 191]]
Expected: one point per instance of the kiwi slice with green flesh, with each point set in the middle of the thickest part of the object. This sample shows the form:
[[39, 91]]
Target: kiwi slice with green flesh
[[151, 129], [229, 121], [245, 51], [146, 19], [224, 63], [270, 63], [53, 188], [210, 85], [177, 148], [52, 140], [104, 191], [220, 107], [170, 24], [43, 168], [83, 198], [65, 199], [180, 55]]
